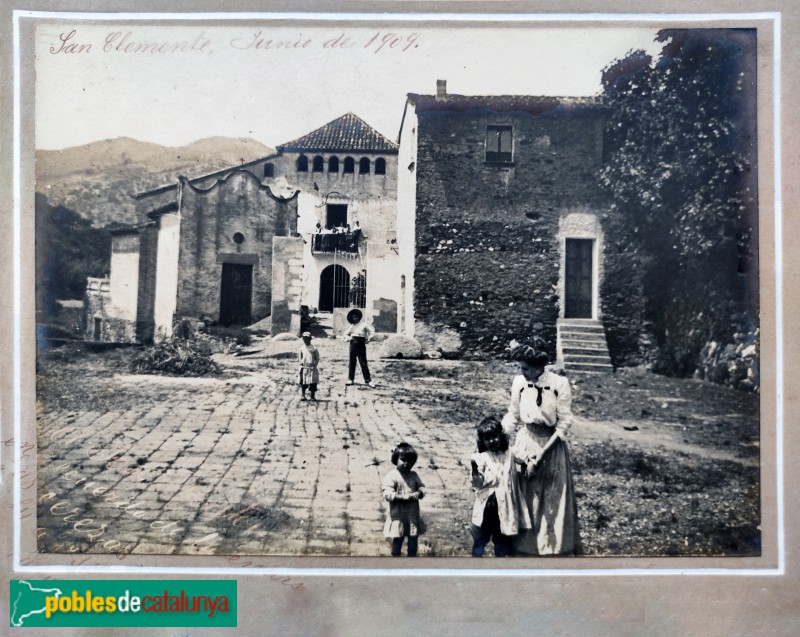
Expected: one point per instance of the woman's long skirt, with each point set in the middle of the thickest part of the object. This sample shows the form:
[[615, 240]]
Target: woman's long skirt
[[550, 498]]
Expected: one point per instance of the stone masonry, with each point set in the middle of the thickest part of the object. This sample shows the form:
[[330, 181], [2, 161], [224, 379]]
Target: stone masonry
[[488, 254]]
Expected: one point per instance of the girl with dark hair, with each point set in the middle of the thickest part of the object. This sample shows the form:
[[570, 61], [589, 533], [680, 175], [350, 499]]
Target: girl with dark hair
[[497, 514], [403, 489], [540, 412]]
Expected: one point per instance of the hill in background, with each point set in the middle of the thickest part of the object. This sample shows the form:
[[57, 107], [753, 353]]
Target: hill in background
[[97, 180]]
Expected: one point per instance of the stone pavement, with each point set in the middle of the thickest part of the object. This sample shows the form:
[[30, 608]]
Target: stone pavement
[[242, 466]]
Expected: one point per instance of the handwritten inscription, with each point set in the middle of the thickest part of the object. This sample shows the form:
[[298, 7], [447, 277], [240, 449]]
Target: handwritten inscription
[[132, 42], [67, 46], [119, 42], [259, 41], [392, 41]]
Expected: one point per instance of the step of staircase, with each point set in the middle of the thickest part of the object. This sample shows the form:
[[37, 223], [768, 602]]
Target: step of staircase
[[584, 333], [595, 357], [586, 367], [581, 325], [582, 346]]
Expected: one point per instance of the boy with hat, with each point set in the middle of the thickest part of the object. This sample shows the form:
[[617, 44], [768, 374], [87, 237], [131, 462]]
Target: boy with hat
[[309, 359], [359, 334]]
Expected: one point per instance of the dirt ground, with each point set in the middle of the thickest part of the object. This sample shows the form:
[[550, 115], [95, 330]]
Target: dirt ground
[[662, 466]]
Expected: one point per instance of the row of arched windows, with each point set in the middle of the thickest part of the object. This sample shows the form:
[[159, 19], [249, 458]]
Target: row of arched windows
[[318, 165]]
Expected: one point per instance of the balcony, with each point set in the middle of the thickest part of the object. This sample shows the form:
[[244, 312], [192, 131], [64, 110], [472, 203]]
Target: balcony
[[329, 243]]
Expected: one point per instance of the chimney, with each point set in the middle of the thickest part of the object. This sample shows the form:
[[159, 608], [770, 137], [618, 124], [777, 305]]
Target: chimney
[[441, 89]]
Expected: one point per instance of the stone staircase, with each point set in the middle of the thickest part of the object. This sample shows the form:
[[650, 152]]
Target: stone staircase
[[582, 346]]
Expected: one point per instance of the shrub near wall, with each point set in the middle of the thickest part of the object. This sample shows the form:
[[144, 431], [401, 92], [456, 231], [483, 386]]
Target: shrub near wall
[[681, 173], [622, 298]]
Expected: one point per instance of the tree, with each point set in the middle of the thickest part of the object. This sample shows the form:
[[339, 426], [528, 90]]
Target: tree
[[68, 250], [680, 172]]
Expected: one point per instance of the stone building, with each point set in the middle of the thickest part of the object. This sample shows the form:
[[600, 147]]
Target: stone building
[[346, 175], [238, 245], [482, 225], [500, 223]]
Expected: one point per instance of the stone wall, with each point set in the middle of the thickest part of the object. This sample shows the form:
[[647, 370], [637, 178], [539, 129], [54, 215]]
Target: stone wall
[[148, 264], [101, 322], [123, 286], [488, 254], [287, 284], [166, 294]]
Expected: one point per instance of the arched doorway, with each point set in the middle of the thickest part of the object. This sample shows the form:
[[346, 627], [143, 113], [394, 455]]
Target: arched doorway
[[334, 288]]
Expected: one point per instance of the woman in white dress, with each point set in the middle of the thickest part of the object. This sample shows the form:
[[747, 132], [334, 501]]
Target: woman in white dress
[[539, 417]]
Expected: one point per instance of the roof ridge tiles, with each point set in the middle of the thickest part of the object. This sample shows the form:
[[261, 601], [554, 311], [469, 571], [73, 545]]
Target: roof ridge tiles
[[345, 133]]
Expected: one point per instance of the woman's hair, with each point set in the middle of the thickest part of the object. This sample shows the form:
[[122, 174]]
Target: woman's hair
[[534, 354], [488, 426], [405, 451]]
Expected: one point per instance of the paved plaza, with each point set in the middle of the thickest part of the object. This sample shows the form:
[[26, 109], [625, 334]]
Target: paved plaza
[[239, 465], [242, 466]]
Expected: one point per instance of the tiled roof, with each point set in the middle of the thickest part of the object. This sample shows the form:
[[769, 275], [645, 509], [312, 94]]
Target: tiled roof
[[347, 133], [533, 104]]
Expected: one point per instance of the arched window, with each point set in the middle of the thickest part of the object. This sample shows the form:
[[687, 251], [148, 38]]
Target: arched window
[[269, 170], [319, 164], [380, 166], [363, 166], [333, 165], [349, 165], [302, 164]]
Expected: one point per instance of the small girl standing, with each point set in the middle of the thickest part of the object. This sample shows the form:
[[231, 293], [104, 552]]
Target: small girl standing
[[309, 360], [403, 489], [498, 513]]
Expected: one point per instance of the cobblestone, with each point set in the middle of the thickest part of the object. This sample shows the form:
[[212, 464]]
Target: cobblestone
[[241, 466], [238, 466]]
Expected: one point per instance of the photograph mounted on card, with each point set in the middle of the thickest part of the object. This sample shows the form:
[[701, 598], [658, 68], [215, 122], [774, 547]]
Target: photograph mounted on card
[[378, 287]]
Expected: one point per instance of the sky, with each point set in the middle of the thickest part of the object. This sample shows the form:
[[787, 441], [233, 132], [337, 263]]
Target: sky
[[275, 82]]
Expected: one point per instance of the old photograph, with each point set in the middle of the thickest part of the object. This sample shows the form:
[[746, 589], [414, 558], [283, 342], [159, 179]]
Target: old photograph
[[366, 288]]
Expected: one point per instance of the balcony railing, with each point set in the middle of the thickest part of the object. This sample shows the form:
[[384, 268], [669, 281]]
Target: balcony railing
[[335, 242]]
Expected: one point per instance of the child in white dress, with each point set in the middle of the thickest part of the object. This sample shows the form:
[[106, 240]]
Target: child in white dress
[[308, 357], [403, 489], [498, 513]]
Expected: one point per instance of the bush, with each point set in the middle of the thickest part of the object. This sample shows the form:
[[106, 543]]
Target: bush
[[177, 357]]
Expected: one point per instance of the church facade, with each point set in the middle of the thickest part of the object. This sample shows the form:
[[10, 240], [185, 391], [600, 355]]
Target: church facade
[[311, 226]]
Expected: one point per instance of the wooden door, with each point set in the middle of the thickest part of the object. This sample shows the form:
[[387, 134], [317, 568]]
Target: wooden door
[[579, 283], [236, 294]]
